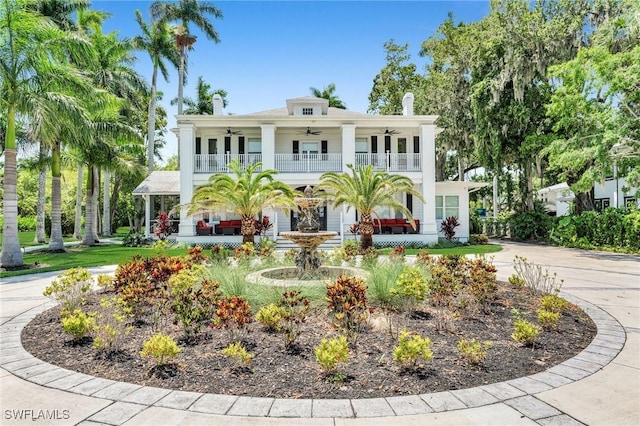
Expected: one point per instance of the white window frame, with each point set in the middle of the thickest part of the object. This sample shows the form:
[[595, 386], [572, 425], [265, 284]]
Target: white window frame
[[253, 143], [447, 205]]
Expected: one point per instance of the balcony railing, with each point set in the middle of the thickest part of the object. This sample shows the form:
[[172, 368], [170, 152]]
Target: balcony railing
[[218, 163], [308, 163], [391, 162]]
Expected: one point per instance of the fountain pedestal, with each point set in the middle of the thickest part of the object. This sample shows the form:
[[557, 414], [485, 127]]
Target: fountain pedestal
[[308, 236]]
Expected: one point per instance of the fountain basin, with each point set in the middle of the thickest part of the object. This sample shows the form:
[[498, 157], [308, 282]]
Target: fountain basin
[[308, 240], [287, 276]]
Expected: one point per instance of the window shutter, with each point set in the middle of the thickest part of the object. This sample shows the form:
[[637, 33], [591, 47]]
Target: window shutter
[[374, 144], [387, 143], [410, 203], [227, 144], [416, 144], [296, 150], [240, 144], [198, 146], [324, 149]]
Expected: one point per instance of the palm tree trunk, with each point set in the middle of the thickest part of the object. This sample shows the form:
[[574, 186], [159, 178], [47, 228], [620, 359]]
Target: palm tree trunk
[[181, 79], [151, 132], [366, 232], [77, 226], [106, 205], [56, 242], [11, 255], [248, 229], [89, 211], [41, 236]]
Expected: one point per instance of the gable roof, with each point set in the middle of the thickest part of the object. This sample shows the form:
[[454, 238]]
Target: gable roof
[[331, 111]]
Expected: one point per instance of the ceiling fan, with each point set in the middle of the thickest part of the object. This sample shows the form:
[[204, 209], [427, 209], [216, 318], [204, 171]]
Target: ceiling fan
[[388, 132], [232, 132], [310, 132]]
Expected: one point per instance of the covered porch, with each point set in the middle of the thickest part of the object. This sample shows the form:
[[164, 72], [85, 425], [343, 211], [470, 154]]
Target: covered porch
[[161, 193]]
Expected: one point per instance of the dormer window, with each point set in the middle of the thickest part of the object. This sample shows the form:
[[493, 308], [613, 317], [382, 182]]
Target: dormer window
[[307, 111]]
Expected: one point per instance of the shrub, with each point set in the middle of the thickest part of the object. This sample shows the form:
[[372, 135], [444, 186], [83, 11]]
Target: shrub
[[330, 352], [105, 281], [547, 319], [524, 332], [161, 347], [159, 246], [448, 227], [194, 300], [70, 288], [423, 258], [347, 302], [233, 314], [219, 253], [554, 303], [163, 226], [78, 324], [397, 254], [536, 280], [381, 281], [473, 352], [483, 284], [411, 347], [112, 324], [370, 258], [26, 223], [196, 254], [294, 308], [350, 250], [270, 316], [410, 288], [478, 239], [267, 248], [245, 252], [531, 224], [238, 353], [134, 239], [516, 281]]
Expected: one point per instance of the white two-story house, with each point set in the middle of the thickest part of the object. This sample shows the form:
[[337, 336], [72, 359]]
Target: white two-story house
[[306, 138]]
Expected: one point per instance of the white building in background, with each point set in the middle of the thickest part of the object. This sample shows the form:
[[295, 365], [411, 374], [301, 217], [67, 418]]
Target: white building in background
[[303, 140], [612, 193]]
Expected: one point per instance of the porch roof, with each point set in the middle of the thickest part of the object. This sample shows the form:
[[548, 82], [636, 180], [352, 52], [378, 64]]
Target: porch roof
[[159, 183]]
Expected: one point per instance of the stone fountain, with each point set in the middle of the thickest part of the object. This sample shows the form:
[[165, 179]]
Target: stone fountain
[[308, 236]]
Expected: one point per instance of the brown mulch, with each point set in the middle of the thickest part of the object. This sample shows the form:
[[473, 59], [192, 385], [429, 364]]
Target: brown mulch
[[370, 371]]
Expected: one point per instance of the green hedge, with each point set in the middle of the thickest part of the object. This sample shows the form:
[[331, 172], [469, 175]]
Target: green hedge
[[613, 227]]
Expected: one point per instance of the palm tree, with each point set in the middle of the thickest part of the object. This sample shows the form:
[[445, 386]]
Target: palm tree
[[33, 65], [246, 195], [157, 41], [328, 93], [202, 104], [366, 191], [187, 11]]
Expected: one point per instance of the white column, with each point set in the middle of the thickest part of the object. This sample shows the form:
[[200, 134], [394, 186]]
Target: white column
[[268, 146], [186, 142], [147, 215], [348, 145], [428, 139]]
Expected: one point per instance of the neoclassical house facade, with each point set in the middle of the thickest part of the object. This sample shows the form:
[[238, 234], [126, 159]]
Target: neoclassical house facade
[[306, 138]]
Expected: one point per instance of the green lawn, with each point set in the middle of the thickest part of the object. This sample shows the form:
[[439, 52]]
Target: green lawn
[[86, 257], [476, 249], [26, 238]]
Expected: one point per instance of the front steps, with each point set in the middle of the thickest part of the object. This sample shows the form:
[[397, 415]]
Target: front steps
[[284, 244]]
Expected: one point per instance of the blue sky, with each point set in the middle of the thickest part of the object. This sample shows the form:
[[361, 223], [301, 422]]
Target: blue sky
[[274, 50]]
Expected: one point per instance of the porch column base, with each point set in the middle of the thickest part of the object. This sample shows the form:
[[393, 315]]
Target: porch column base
[[186, 229]]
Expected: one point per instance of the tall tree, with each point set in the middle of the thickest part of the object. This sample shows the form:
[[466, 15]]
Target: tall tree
[[33, 51], [157, 40], [395, 79], [187, 12], [328, 92], [245, 193], [367, 191]]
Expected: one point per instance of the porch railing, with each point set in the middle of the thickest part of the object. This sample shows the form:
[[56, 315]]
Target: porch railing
[[391, 162], [218, 163], [308, 163]]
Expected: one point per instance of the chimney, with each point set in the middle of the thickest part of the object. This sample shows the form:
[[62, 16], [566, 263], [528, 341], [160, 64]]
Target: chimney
[[407, 104], [218, 105]]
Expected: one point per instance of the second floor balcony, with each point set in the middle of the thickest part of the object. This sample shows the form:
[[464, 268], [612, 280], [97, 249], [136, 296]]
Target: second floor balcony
[[310, 162]]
